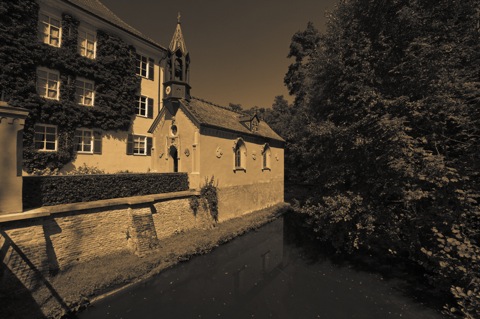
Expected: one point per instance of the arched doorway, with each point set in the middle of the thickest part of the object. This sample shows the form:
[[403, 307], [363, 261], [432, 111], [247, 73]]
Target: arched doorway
[[174, 157]]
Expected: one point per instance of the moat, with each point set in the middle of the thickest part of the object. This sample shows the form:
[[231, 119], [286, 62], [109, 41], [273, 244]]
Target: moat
[[267, 273]]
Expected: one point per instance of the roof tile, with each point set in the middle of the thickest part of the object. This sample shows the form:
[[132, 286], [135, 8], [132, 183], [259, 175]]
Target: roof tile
[[211, 114]]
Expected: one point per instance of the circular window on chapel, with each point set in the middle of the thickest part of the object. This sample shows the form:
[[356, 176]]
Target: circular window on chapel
[[173, 130]]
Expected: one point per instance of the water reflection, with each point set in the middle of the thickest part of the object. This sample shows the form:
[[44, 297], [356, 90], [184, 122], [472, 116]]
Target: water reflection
[[264, 274]]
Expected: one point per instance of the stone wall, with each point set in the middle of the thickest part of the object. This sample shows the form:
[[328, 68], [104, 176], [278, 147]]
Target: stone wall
[[177, 216], [34, 248], [39, 243], [23, 251], [82, 236], [235, 201]]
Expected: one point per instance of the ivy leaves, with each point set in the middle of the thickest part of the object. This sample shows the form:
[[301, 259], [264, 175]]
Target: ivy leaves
[[113, 72]]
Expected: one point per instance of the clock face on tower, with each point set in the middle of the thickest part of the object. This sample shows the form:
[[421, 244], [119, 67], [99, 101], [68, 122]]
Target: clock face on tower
[[168, 89]]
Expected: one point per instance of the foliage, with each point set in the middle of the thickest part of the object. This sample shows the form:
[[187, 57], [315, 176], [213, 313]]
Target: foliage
[[194, 203], [389, 97], [54, 190], [303, 48], [208, 199], [209, 193], [86, 170], [113, 72], [235, 107], [81, 170]]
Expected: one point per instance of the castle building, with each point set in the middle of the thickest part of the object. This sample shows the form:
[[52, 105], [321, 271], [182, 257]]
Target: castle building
[[142, 122], [109, 150]]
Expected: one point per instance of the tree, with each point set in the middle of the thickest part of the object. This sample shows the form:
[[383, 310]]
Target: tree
[[278, 117], [235, 107], [392, 99], [303, 48]]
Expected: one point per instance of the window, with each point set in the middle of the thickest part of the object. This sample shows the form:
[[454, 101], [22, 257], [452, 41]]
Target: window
[[49, 30], [144, 106], [84, 92], [238, 157], [87, 42], [48, 84], [240, 154], [45, 137], [266, 157], [139, 145], [145, 66], [88, 141]]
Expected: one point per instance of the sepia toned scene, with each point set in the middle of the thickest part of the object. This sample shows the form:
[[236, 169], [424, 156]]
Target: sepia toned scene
[[221, 159]]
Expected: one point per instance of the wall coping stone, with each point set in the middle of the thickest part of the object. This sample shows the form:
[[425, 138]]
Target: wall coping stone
[[128, 201], [6, 110]]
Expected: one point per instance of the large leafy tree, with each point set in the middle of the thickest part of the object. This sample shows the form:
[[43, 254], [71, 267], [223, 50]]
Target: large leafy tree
[[392, 96], [303, 49]]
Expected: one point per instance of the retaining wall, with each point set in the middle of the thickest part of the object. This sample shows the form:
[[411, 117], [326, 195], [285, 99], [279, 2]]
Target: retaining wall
[[38, 243]]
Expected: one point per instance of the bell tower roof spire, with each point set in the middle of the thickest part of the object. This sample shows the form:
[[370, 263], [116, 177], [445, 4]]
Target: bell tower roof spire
[[178, 42]]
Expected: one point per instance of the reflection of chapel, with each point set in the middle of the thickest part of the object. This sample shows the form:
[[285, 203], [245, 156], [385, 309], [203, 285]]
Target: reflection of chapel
[[204, 139]]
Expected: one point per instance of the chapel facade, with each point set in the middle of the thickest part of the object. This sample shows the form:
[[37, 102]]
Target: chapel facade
[[241, 152]]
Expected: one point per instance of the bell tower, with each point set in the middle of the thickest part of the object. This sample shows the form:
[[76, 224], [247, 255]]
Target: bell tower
[[177, 70]]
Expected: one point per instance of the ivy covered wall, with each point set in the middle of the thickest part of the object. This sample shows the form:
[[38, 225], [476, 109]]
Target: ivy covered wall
[[113, 71]]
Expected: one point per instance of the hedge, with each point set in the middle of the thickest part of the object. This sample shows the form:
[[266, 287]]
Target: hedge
[[54, 190]]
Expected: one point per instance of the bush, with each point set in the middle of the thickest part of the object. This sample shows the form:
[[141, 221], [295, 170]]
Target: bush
[[208, 199], [209, 193], [54, 190]]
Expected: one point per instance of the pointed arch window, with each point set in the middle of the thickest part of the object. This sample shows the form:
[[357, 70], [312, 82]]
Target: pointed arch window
[[266, 157], [240, 155]]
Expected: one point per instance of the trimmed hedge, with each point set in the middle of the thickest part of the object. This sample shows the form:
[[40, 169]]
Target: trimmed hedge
[[54, 190]]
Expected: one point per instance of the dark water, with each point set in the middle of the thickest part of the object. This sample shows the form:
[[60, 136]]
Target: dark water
[[263, 274]]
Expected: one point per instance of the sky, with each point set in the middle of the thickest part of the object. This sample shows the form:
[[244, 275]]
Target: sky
[[238, 48]]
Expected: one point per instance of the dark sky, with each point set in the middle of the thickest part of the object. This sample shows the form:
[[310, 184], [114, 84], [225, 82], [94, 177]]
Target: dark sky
[[238, 48]]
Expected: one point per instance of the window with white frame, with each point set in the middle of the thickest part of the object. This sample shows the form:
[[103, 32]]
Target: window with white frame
[[48, 83], [144, 66], [49, 29], [144, 106], [87, 43], [139, 145], [88, 141], [45, 138], [84, 92]]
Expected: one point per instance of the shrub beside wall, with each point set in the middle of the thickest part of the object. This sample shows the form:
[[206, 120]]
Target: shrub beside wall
[[54, 190]]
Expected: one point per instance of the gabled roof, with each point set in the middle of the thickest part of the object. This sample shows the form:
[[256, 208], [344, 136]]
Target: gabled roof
[[212, 115], [98, 9]]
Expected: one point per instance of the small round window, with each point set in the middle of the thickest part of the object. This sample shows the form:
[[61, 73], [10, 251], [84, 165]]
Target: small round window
[[173, 130]]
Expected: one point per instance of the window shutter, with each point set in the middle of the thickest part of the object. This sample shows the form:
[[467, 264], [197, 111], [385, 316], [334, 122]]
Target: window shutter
[[78, 133], [137, 104], [130, 144], [150, 108], [97, 142], [150, 68], [149, 146]]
